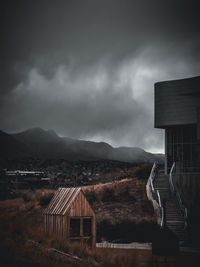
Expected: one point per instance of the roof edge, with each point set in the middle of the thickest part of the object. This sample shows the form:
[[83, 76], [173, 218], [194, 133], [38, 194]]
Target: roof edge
[[179, 81]]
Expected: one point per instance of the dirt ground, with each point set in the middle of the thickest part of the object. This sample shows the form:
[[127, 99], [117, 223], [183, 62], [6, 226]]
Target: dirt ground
[[144, 258]]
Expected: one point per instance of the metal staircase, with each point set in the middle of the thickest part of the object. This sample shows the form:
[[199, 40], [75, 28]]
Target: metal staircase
[[168, 203], [175, 220]]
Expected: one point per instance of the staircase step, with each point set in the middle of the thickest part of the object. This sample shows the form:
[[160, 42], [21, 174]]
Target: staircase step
[[174, 212], [174, 215], [161, 181], [176, 228], [173, 219], [161, 187], [172, 208]]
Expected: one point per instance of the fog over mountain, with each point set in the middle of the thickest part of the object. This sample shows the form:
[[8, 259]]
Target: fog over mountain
[[87, 68], [38, 143]]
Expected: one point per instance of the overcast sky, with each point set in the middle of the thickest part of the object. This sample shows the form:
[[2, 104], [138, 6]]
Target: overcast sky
[[87, 68]]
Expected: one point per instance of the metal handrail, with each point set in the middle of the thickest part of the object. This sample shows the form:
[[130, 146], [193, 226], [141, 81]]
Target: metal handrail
[[155, 193], [178, 197], [161, 209], [159, 199], [152, 177], [162, 217]]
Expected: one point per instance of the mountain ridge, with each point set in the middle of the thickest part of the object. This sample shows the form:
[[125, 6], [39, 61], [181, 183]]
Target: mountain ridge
[[39, 143]]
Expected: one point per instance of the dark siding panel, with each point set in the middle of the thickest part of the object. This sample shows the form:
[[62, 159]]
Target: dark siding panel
[[176, 102], [198, 124]]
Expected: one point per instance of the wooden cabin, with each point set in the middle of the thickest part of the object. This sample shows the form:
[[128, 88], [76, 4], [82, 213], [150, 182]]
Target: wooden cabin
[[70, 216]]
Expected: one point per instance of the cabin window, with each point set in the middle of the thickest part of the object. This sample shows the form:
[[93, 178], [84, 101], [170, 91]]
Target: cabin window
[[75, 227], [87, 227]]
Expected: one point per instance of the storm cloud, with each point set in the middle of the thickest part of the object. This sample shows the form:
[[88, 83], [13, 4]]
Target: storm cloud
[[87, 68]]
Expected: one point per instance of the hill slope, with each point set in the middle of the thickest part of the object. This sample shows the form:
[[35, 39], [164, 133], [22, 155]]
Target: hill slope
[[12, 148]]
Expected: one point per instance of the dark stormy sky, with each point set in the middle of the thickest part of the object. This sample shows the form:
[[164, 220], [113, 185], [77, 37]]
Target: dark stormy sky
[[86, 68]]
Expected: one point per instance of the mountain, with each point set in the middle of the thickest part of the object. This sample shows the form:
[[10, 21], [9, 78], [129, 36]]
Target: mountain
[[39, 143], [12, 148]]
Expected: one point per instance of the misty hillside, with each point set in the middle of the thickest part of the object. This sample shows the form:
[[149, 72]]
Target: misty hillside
[[39, 143]]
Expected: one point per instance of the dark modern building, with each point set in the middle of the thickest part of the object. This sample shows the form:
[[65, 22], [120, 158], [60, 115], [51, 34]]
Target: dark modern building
[[177, 110]]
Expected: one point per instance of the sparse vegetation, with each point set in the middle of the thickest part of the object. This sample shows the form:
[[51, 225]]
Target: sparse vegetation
[[121, 200], [21, 220]]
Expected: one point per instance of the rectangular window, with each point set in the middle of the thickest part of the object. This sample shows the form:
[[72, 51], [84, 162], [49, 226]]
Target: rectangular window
[[75, 227], [87, 227]]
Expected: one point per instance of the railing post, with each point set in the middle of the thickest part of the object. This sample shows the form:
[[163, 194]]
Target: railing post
[[185, 218], [172, 189]]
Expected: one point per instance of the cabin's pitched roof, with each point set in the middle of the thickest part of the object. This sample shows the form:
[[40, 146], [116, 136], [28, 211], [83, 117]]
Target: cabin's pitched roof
[[62, 201]]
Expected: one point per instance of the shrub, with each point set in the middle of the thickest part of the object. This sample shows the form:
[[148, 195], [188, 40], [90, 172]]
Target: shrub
[[45, 199], [28, 196], [143, 171], [108, 194], [91, 196], [124, 194], [126, 231]]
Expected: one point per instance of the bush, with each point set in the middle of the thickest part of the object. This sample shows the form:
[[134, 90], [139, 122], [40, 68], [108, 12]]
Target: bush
[[126, 231], [45, 199], [108, 194], [28, 196], [91, 196], [142, 172], [124, 194]]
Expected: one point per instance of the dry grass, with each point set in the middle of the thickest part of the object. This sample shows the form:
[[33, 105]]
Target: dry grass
[[121, 200]]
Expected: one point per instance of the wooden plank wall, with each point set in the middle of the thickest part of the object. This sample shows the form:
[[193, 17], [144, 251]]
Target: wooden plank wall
[[54, 224], [80, 207]]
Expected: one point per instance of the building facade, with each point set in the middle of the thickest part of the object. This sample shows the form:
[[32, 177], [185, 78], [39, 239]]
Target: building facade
[[177, 111]]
